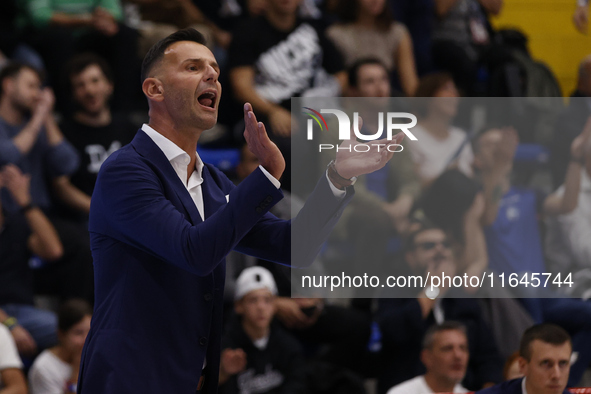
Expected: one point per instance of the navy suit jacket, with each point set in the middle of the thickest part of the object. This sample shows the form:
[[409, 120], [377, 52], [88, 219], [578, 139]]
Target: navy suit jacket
[[509, 387], [160, 269]]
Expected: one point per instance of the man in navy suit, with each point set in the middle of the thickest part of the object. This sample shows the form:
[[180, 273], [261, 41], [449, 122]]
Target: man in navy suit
[[544, 359], [161, 223]]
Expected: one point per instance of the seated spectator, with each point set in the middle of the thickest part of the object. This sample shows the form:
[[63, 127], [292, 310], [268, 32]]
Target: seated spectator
[[22, 235], [544, 359], [55, 371], [268, 67], [445, 357], [442, 145], [462, 34], [368, 30], [57, 30], [570, 123], [513, 238], [258, 356], [31, 139], [403, 321], [12, 379], [92, 129], [567, 233]]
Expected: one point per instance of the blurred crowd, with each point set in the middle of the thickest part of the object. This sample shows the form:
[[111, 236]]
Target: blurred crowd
[[505, 196]]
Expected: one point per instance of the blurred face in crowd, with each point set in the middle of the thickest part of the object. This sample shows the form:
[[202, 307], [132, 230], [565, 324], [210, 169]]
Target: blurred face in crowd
[[548, 368], [372, 81], [447, 359], [257, 308], [24, 90], [283, 7], [91, 89], [372, 7], [446, 104], [185, 83], [431, 252], [73, 339], [484, 154]]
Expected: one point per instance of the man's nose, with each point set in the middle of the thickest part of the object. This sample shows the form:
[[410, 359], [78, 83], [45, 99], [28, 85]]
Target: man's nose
[[210, 74]]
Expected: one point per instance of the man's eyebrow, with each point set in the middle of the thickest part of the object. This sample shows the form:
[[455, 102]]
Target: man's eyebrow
[[198, 60]]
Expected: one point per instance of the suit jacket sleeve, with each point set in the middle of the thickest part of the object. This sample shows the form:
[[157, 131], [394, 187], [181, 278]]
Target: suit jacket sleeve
[[131, 207]]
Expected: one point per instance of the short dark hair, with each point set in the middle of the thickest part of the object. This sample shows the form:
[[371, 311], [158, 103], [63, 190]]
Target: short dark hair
[[155, 53], [79, 63], [545, 332], [71, 313], [425, 225], [450, 325], [428, 87], [12, 69], [353, 72]]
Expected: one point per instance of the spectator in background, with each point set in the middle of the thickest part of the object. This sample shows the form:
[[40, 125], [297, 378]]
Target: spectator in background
[[445, 356], [58, 29], [23, 234], [462, 35], [12, 379], [512, 230], [567, 233], [55, 371], [368, 30], [268, 67], [31, 139], [441, 144], [545, 354], [404, 320], [570, 123], [259, 356], [92, 129]]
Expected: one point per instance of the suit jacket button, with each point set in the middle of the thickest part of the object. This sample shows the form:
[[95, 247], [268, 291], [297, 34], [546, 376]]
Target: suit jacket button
[[202, 341], [208, 297]]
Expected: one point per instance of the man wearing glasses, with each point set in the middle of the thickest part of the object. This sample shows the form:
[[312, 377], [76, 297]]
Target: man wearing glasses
[[404, 320]]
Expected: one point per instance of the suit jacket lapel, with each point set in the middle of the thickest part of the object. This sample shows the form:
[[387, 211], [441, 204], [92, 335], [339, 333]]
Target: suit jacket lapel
[[151, 152], [213, 197]]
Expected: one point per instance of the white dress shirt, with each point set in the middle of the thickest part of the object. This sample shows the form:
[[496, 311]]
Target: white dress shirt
[[179, 160]]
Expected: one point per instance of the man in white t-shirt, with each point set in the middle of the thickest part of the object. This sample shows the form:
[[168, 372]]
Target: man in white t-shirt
[[12, 379], [445, 356]]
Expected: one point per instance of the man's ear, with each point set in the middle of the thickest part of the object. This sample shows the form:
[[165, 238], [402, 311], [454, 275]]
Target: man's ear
[[7, 85], [153, 89], [425, 359], [523, 364]]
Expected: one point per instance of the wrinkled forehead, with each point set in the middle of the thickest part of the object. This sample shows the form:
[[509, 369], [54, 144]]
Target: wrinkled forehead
[[181, 51]]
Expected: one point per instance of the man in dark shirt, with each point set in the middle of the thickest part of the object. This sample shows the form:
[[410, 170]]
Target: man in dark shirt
[[31, 139], [93, 129]]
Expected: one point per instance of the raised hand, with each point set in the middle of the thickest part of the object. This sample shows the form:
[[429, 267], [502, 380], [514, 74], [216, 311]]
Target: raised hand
[[350, 163], [260, 145], [581, 143]]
